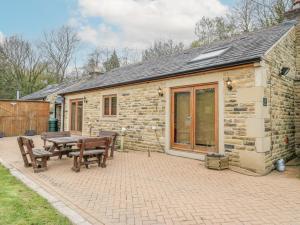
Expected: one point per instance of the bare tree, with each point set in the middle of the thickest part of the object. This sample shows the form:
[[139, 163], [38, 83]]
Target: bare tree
[[243, 14], [129, 56], [59, 47], [161, 48], [76, 70], [205, 30], [252, 14], [270, 12], [21, 64], [98, 58], [209, 30], [95, 61]]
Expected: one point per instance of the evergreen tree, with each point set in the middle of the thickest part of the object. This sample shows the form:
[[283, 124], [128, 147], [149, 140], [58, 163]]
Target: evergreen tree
[[112, 63]]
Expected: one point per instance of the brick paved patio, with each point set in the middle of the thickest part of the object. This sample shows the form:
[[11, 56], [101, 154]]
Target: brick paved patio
[[135, 189]]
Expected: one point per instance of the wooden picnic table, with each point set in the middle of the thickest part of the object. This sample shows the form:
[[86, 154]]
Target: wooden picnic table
[[58, 142], [64, 144]]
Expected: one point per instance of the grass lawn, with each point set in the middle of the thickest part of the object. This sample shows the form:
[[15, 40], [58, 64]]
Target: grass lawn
[[21, 206]]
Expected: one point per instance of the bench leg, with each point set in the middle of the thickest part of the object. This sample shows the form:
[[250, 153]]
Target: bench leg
[[103, 165], [44, 162], [85, 158], [40, 165], [76, 166], [26, 163], [60, 155], [99, 160]]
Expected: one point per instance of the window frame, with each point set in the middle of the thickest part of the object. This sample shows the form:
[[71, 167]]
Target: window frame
[[109, 105]]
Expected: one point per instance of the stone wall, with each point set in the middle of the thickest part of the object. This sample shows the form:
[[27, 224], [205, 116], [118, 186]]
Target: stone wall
[[51, 98], [140, 110], [297, 91], [237, 110], [281, 97], [297, 116]]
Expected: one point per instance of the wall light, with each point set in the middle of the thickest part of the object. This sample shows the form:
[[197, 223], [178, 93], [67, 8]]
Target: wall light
[[85, 100], [160, 92], [229, 84], [284, 71]]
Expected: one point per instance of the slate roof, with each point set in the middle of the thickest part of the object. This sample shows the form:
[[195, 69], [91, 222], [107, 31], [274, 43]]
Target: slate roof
[[242, 49], [50, 89]]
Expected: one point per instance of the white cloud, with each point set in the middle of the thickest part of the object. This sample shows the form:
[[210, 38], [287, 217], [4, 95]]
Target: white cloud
[[136, 23], [1, 37]]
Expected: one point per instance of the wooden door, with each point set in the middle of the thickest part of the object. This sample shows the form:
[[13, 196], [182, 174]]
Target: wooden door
[[194, 118], [76, 116]]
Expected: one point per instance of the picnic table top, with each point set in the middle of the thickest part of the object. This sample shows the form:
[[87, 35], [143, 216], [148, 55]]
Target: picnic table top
[[67, 140]]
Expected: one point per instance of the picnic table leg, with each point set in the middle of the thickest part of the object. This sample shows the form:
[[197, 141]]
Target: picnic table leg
[[112, 147], [52, 148], [85, 158]]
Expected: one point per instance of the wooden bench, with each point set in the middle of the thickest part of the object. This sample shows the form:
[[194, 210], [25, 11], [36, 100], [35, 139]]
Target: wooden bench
[[63, 149], [92, 150], [38, 157], [113, 136]]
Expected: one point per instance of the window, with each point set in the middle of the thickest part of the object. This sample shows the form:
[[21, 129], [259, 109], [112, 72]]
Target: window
[[209, 55], [110, 105], [76, 115]]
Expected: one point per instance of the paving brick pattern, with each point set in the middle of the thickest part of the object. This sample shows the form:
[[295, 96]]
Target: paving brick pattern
[[162, 189]]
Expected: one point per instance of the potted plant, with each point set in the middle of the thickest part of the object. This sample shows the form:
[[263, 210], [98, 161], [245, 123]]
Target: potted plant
[[216, 161]]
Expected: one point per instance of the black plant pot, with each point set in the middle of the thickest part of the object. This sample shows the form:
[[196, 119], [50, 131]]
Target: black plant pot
[[30, 132], [1, 135]]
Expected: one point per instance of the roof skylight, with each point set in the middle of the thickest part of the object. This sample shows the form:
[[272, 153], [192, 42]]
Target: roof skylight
[[209, 55]]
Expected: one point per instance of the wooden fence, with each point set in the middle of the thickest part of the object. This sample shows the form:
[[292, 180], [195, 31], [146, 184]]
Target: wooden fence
[[16, 117]]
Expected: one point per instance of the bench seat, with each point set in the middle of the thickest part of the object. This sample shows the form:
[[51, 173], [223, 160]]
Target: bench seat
[[88, 152], [40, 153]]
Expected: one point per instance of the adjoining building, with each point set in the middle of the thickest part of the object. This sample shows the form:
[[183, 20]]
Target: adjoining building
[[50, 94]]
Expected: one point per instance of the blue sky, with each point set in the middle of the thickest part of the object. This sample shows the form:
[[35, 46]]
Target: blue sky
[[31, 17], [109, 23]]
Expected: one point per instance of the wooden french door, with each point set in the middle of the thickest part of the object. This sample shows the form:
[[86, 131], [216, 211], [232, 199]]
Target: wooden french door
[[76, 115], [194, 118]]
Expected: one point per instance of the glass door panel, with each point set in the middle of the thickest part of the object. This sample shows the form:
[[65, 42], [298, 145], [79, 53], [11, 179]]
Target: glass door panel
[[76, 115], [73, 115], [79, 115], [182, 118], [205, 112], [181, 126]]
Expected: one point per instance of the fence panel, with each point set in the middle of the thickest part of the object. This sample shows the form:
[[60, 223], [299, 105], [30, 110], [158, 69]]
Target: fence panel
[[18, 116]]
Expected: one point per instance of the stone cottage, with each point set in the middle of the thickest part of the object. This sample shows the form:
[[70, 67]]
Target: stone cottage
[[237, 97]]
